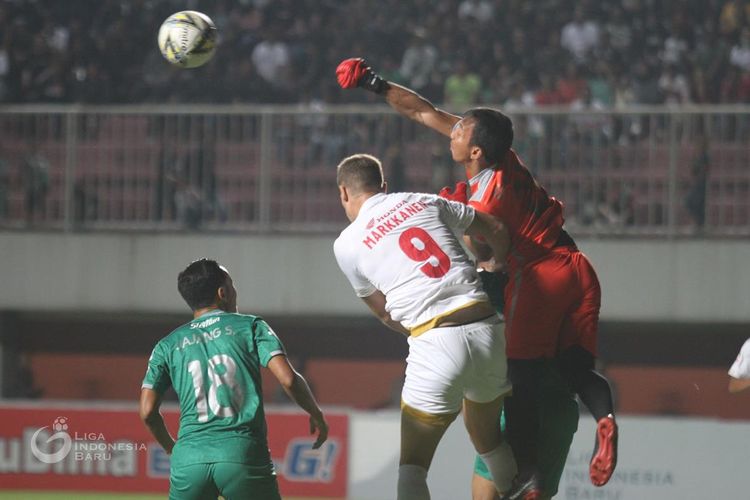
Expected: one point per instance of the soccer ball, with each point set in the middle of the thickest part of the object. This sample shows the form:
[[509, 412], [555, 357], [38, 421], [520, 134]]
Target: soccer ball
[[187, 39], [60, 424]]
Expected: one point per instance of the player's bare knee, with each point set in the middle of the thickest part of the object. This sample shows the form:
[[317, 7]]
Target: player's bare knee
[[482, 423]]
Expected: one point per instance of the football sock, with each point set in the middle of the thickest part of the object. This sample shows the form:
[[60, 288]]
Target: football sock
[[501, 465], [577, 367], [412, 483], [595, 393], [522, 415]]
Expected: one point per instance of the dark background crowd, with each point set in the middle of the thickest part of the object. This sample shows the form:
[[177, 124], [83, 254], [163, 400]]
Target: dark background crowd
[[610, 52]]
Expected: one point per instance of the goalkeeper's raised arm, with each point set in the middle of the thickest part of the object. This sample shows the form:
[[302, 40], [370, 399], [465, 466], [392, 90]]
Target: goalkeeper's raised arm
[[355, 72]]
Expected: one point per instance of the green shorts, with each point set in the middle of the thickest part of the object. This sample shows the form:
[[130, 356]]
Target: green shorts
[[231, 480], [558, 421]]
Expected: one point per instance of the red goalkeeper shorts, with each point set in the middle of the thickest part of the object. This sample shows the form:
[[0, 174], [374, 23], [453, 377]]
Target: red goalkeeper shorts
[[551, 304]]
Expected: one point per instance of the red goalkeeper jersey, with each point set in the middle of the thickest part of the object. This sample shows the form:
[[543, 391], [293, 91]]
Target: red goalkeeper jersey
[[511, 193]]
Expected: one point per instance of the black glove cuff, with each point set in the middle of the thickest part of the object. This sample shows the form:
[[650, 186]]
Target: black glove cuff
[[373, 82]]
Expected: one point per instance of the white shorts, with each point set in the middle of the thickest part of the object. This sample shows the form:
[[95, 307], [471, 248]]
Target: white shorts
[[447, 364]]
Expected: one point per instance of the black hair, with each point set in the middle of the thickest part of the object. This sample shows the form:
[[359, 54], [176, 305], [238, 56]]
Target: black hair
[[493, 132], [199, 281], [361, 173]]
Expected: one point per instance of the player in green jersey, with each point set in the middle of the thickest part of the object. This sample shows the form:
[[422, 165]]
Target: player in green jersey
[[213, 362]]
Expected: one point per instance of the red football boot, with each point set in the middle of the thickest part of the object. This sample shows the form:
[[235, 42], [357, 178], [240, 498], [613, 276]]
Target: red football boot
[[604, 458]]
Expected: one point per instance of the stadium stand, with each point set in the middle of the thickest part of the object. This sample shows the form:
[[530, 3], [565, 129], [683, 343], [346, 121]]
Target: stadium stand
[[623, 52]]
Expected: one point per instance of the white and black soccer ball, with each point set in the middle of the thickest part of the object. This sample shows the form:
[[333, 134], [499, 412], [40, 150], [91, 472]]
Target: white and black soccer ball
[[187, 39]]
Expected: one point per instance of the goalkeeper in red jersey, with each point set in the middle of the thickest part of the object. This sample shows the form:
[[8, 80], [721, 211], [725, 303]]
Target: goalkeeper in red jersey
[[553, 297]]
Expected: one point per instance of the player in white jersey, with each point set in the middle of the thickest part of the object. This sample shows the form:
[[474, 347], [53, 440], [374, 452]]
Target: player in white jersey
[[403, 257], [739, 373]]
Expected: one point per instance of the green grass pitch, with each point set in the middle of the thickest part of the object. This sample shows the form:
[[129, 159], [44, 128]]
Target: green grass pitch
[[43, 495]]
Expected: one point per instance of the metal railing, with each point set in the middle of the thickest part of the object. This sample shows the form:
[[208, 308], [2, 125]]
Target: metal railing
[[654, 171]]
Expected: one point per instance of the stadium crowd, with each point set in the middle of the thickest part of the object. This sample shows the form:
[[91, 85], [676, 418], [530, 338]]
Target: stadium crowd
[[610, 52]]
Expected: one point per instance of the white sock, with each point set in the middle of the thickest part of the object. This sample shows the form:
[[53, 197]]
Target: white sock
[[412, 483], [502, 466]]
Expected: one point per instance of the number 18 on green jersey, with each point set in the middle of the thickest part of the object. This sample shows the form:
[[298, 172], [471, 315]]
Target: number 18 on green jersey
[[213, 363]]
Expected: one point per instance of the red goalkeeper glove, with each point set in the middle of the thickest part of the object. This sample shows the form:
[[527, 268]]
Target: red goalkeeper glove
[[355, 72], [460, 193]]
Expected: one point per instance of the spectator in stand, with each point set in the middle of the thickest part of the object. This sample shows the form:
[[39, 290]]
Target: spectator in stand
[[730, 86], [695, 201], [734, 13], [580, 35], [604, 51], [35, 177], [674, 86], [418, 61], [391, 69], [740, 54], [645, 85], [605, 208], [619, 31], [645, 91], [675, 49], [571, 86], [588, 128], [744, 92], [547, 56], [272, 59], [699, 87], [499, 87], [711, 55], [462, 87], [528, 129], [103, 52], [480, 11], [519, 60], [93, 85], [624, 128], [4, 186], [520, 99], [601, 84], [624, 94], [4, 70], [244, 83], [547, 95]]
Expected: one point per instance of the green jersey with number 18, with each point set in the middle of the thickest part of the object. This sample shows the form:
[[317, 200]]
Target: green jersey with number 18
[[213, 363]]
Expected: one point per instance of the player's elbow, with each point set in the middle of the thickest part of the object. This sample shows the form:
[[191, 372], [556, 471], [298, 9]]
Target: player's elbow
[[388, 321], [288, 379], [148, 413], [148, 409]]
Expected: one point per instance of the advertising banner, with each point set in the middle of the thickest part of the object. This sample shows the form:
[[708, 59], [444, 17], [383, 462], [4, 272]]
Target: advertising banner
[[75, 448]]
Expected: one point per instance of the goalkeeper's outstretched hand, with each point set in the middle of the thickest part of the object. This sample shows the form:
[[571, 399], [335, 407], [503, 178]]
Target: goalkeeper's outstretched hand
[[355, 72]]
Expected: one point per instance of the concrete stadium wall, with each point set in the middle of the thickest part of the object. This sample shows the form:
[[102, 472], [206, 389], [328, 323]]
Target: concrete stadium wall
[[642, 279]]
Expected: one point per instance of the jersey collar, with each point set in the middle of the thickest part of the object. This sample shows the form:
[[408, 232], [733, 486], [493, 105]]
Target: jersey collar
[[483, 174], [212, 312], [372, 200]]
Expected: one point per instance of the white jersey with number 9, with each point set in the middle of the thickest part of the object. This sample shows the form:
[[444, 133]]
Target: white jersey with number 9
[[405, 245]]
